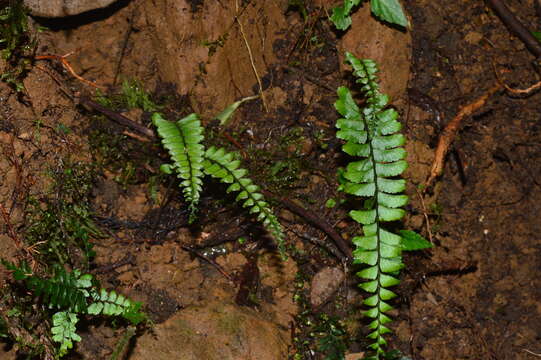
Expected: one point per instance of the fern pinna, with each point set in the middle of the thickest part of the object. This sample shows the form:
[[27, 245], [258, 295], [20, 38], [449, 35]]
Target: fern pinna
[[372, 135], [190, 160]]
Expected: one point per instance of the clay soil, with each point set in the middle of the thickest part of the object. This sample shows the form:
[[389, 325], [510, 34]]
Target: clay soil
[[475, 295]]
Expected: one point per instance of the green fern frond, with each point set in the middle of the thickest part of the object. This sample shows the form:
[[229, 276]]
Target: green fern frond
[[64, 330], [65, 290], [222, 165], [371, 134], [182, 139], [113, 304]]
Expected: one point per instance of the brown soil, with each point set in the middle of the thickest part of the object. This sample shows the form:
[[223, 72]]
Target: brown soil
[[475, 295]]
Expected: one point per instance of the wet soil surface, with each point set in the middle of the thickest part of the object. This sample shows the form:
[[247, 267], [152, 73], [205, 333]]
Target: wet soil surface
[[220, 281]]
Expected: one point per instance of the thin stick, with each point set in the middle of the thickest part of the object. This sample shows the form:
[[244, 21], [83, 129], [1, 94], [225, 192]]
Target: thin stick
[[263, 100], [315, 220], [67, 66], [521, 91], [210, 261], [448, 134], [516, 27], [531, 353], [120, 119]]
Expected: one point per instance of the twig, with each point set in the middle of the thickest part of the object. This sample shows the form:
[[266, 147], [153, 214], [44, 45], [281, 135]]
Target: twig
[[67, 66], [531, 353], [122, 120], [210, 261], [315, 220], [322, 243], [526, 91], [263, 99], [516, 27], [235, 143], [448, 134], [128, 259]]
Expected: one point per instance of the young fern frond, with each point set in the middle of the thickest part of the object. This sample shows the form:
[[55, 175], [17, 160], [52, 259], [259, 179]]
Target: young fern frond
[[113, 304], [64, 330], [65, 290], [182, 139], [71, 293], [221, 165], [372, 135]]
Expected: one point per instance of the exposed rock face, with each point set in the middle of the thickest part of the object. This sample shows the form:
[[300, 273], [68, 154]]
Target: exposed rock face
[[391, 49], [216, 331], [60, 8], [325, 284], [202, 50]]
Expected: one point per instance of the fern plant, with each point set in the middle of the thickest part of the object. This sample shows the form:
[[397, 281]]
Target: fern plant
[[183, 140], [73, 294], [372, 134]]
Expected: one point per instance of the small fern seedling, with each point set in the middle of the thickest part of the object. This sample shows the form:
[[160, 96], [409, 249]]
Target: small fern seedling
[[74, 294], [372, 134], [190, 160]]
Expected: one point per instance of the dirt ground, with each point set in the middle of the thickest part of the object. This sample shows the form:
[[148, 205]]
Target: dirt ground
[[217, 289]]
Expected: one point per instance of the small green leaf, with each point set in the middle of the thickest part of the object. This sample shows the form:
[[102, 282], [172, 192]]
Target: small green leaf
[[371, 301], [392, 201], [390, 11], [330, 203], [228, 112], [412, 241], [341, 14], [388, 280]]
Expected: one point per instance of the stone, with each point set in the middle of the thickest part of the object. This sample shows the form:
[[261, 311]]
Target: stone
[[215, 331], [209, 59], [368, 38], [324, 285], [61, 8]]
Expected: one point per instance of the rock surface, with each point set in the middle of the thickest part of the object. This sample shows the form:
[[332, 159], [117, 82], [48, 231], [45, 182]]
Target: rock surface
[[324, 285], [391, 49], [215, 331], [60, 8], [210, 59]]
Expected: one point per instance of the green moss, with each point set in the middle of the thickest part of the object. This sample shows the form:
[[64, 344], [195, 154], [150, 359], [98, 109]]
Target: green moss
[[16, 43], [59, 224]]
